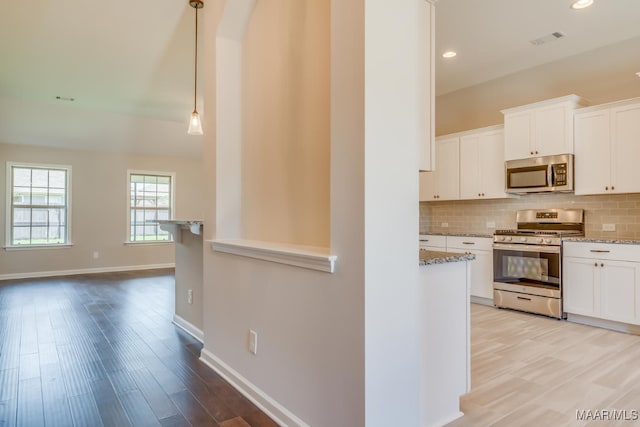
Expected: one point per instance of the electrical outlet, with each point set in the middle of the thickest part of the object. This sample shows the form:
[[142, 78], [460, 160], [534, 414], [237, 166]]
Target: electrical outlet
[[190, 296], [96, 254], [491, 224], [444, 224], [608, 227], [253, 342]]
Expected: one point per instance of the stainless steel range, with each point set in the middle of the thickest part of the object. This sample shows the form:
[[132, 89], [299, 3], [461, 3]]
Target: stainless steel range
[[527, 261]]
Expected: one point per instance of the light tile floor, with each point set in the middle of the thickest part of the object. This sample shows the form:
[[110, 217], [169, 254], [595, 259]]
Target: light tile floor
[[528, 370]]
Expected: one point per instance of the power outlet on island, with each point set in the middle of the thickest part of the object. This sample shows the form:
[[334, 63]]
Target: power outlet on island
[[190, 296]]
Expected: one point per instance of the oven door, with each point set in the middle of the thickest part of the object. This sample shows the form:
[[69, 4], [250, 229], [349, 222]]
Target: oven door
[[528, 269]]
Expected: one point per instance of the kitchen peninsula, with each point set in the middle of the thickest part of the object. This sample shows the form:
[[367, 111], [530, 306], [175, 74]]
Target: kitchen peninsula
[[187, 235], [445, 341]]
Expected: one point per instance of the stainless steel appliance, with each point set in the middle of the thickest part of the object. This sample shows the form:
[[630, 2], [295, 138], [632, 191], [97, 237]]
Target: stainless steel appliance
[[527, 261], [539, 174]]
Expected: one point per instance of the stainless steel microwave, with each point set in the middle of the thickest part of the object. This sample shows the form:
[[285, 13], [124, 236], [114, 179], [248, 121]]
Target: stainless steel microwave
[[539, 174]]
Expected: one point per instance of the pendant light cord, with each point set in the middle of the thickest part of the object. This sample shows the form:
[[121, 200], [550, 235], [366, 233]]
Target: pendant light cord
[[195, 68]]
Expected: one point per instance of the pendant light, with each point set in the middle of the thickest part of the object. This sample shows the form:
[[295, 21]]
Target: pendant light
[[195, 125]]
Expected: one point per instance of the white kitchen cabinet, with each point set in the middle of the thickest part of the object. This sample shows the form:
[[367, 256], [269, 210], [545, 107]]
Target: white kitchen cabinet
[[598, 285], [541, 129], [433, 242], [482, 267], [482, 164], [444, 182], [426, 65], [607, 148]]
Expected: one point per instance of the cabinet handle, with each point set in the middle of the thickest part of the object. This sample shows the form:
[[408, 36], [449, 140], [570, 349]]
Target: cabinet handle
[[532, 153], [613, 188], [536, 152], [595, 264], [606, 188], [482, 194], [601, 265], [526, 299], [478, 194], [468, 243], [600, 251]]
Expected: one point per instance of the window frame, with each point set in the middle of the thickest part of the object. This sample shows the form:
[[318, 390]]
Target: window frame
[[172, 197], [9, 220]]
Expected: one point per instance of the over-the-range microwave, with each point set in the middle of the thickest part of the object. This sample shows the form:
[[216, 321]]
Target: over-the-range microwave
[[539, 174]]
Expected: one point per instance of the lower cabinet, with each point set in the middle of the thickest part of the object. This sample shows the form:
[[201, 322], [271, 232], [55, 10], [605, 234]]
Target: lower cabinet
[[598, 285], [481, 268]]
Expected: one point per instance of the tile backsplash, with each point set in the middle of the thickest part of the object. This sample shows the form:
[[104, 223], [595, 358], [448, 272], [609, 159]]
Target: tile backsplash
[[472, 216]]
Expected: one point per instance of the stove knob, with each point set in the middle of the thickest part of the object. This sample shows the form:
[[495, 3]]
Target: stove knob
[[508, 238], [547, 240], [539, 240], [501, 238], [523, 239]]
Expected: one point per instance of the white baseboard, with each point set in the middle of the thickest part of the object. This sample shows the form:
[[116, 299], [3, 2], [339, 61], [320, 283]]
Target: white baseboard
[[57, 273], [268, 405], [482, 301], [447, 420], [603, 323], [188, 327]]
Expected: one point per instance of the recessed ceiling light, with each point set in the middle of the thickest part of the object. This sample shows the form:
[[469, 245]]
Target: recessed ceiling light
[[449, 54], [581, 4], [638, 74]]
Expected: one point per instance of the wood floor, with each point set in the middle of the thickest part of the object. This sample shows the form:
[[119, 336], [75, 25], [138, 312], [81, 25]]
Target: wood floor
[[101, 350], [528, 370]]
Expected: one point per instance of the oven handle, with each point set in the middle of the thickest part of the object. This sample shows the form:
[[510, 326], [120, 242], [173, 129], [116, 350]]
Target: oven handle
[[528, 248]]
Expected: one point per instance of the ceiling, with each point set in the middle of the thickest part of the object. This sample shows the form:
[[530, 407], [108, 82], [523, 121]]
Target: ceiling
[[129, 65]]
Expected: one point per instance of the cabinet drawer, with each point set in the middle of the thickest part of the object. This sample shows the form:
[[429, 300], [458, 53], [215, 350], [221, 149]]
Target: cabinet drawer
[[433, 240], [469, 243], [602, 251]]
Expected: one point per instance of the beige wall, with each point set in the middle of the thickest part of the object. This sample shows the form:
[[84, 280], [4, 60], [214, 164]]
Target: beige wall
[[471, 216], [603, 75], [98, 213], [285, 133]]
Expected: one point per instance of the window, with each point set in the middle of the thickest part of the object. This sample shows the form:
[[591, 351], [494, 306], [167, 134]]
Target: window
[[39, 204], [150, 200]]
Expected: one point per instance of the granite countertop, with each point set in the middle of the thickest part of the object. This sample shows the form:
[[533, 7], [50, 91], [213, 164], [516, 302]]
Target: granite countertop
[[601, 240], [435, 257], [433, 233]]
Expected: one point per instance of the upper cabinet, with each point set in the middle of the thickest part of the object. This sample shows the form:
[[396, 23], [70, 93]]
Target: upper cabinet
[[607, 139], [541, 129], [426, 63], [444, 182], [469, 165], [482, 164]]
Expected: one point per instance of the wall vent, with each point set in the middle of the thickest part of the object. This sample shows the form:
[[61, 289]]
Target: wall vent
[[548, 38]]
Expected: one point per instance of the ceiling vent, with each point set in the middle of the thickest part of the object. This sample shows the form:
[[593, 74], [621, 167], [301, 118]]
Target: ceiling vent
[[548, 38]]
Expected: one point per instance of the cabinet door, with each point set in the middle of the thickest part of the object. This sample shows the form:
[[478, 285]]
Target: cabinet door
[[593, 156], [448, 168], [470, 167], [518, 135], [619, 291], [490, 162], [553, 131], [625, 149], [427, 186], [482, 165], [482, 274], [581, 295]]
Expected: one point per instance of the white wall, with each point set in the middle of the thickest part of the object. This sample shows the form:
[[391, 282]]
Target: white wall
[[602, 75], [98, 212], [334, 349]]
